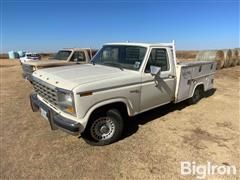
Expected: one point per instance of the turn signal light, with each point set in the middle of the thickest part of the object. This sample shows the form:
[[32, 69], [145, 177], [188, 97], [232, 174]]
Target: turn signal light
[[70, 110], [86, 93]]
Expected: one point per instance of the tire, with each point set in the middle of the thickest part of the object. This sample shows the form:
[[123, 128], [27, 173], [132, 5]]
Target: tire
[[104, 127], [198, 94]]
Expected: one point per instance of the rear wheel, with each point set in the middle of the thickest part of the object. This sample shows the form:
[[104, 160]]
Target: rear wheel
[[198, 94], [104, 128]]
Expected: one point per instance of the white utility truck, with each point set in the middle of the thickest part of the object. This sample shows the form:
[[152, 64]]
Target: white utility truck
[[124, 79]]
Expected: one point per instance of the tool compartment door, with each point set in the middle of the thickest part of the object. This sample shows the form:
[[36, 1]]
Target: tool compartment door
[[184, 83]]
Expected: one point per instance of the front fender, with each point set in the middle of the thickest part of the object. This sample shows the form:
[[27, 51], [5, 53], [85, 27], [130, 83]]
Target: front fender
[[84, 121]]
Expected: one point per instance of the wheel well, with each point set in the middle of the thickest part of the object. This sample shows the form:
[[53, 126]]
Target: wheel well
[[201, 86], [117, 105]]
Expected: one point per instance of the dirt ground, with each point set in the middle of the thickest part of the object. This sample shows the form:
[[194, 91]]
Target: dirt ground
[[152, 147]]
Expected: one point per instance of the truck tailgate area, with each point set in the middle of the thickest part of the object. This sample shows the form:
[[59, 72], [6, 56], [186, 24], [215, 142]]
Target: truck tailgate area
[[192, 74]]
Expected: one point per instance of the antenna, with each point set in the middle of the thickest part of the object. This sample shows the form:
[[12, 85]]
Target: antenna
[[90, 52]]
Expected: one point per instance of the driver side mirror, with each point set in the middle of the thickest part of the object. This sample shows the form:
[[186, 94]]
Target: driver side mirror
[[155, 70]]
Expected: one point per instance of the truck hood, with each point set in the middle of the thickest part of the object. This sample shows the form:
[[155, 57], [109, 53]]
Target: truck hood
[[69, 77], [47, 63]]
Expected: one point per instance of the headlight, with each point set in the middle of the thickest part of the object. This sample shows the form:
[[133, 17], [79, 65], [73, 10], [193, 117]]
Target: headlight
[[65, 101]]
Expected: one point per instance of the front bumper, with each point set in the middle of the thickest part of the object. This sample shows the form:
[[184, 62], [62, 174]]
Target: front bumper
[[56, 120]]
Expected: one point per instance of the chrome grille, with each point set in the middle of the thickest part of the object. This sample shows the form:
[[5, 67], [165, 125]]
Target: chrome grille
[[45, 90], [27, 69]]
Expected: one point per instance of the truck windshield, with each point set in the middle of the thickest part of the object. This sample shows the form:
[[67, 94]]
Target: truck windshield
[[62, 55], [124, 57]]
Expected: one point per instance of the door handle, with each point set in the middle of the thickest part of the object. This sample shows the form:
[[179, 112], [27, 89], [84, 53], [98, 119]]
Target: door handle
[[170, 76], [135, 91]]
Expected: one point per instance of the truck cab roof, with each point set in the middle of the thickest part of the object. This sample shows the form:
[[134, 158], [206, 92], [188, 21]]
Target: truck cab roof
[[77, 49], [141, 44]]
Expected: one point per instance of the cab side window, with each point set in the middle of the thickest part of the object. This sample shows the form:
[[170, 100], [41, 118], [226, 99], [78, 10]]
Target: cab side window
[[78, 56], [159, 58]]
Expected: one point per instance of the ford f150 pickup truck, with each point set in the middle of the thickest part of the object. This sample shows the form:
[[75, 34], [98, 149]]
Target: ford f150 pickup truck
[[64, 57], [124, 79]]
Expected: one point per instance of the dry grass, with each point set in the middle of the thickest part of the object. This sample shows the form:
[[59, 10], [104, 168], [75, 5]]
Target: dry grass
[[152, 147], [3, 56], [186, 54], [9, 63]]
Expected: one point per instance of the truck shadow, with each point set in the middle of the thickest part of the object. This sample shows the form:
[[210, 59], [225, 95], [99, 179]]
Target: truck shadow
[[132, 123]]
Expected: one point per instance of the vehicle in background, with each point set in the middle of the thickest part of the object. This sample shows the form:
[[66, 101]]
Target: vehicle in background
[[63, 57], [30, 57], [124, 79]]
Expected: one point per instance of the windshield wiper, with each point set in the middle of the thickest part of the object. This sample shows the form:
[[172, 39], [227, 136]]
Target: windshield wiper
[[113, 64]]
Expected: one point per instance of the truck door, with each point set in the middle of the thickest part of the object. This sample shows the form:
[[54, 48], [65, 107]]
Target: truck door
[[158, 90]]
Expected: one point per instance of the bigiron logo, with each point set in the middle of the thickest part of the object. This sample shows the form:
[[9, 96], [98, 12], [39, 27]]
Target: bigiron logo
[[203, 170]]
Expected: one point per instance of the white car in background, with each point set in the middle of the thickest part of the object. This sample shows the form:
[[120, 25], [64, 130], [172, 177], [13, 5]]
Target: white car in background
[[30, 57]]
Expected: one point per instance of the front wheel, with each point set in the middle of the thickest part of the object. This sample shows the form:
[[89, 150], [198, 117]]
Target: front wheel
[[104, 128]]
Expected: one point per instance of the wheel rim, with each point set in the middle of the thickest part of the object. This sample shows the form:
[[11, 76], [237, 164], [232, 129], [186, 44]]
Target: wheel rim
[[102, 129]]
